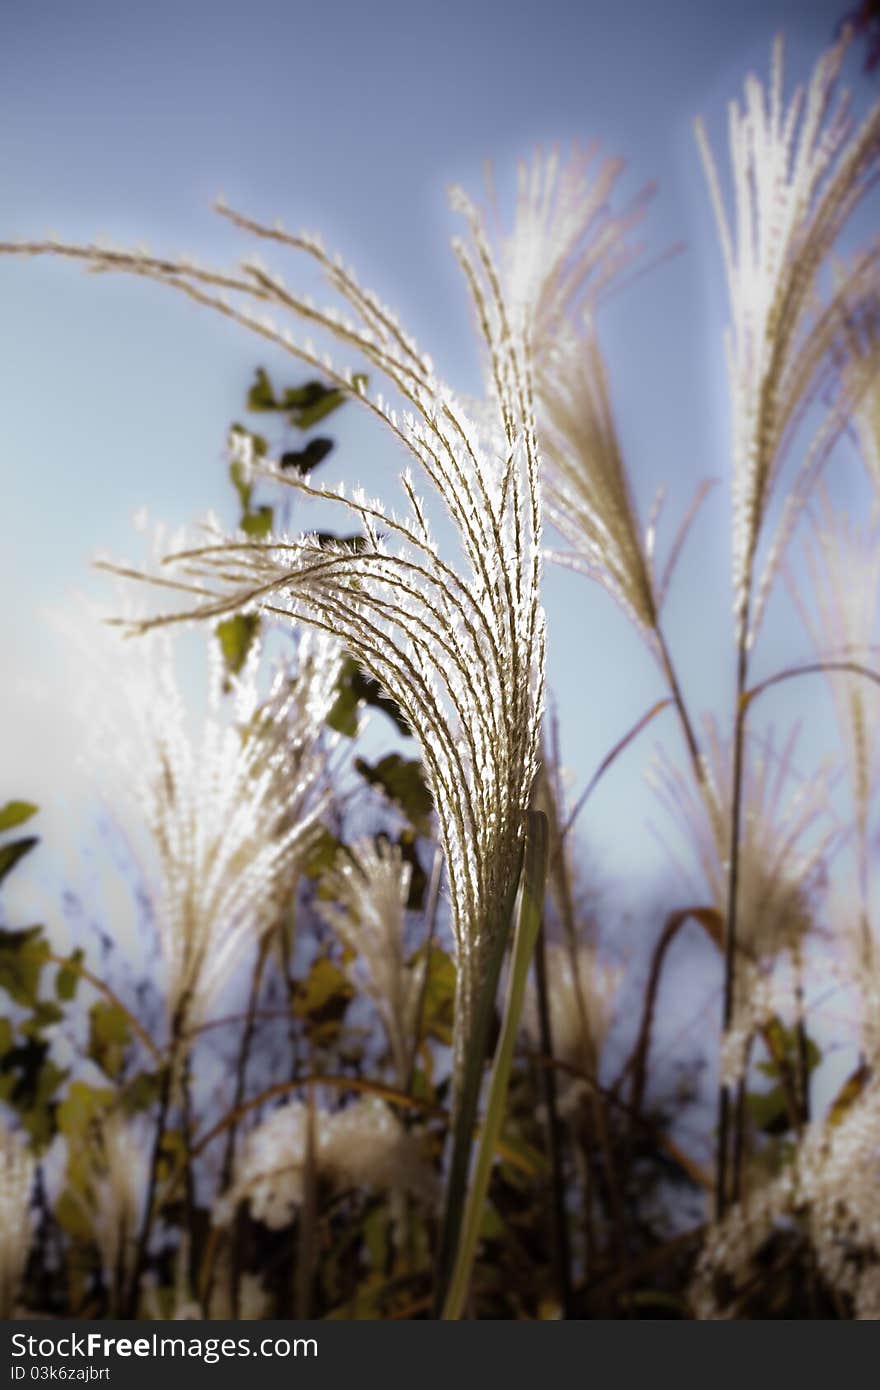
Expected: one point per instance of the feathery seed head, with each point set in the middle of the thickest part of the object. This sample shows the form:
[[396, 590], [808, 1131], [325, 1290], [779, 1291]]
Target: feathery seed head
[[783, 843], [459, 645], [17, 1169], [362, 1145], [229, 806], [798, 173], [369, 916]]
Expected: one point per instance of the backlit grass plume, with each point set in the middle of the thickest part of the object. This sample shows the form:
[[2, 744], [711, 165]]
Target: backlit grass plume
[[799, 172], [369, 917], [458, 642], [230, 804], [786, 835], [17, 1168], [565, 249], [363, 1144]]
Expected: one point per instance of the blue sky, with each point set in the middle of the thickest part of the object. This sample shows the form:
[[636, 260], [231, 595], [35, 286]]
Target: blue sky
[[128, 120]]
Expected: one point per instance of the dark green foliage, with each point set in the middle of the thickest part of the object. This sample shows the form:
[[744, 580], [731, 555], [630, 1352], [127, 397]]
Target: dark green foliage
[[403, 782]]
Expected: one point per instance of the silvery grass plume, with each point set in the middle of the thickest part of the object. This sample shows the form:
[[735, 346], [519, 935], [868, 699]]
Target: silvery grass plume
[[363, 1145], [109, 1174], [369, 916], [17, 1169], [458, 644], [565, 251], [230, 801], [798, 173], [831, 1188], [841, 612], [785, 839]]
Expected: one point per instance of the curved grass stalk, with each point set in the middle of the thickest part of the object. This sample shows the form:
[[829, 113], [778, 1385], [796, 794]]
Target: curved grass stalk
[[534, 879]]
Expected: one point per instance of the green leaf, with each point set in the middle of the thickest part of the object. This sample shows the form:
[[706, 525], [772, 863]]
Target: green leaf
[[22, 957], [769, 1110], [242, 485], [785, 1045], [261, 395], [236, 636], [322, 855], [375, 1229], [10, 854], [7, 1036], [355, 688], [309, 404], [16, 813], [28, 1082], [45, 1013], [321, 999], [72, 1215], [439, 1006], [403, 782], [108, 1036], [68, 977], [305, 396], [307, 458], [259, 523], [329, 540], [307, 416], [141, 1092], [81, 1106]]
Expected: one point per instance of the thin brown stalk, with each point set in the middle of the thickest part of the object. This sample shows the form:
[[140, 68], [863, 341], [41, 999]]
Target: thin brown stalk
[[727, 1009], [307, 1225], [561, 1250]]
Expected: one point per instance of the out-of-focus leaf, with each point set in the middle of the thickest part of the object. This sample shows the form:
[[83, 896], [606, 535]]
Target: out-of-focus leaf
[[321, 999], [261, 395], [309, 404], [302, 397], [72, 1215], [329, 540], [305, 405], [16, 813], [22, 957], [848, 1094], [784, 1046], [322, 855], [769, 1110], [44, 1015], [10, 854], [375, 1228], [141, 1092], [305, 417], [28, 1082], [309, 457], [343, 716], [259, 523], [236, 636], [68, 977], [108, 1036], [7, 1036], [82, 1105], [356, 687], [403, 782], [439, 996]]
